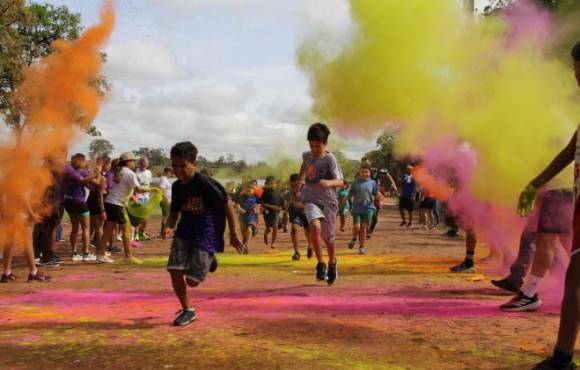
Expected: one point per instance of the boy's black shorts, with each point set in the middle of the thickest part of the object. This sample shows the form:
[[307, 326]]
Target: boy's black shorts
[[406, 204], [115, 213], [93, 204], [75, 209], [428, 203], [298, 218], [271, 219]]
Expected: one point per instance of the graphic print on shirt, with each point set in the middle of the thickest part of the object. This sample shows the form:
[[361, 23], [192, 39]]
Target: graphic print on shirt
[[194, 205]]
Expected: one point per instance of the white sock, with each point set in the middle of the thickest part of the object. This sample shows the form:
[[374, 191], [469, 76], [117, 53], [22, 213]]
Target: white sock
[[532, 285]]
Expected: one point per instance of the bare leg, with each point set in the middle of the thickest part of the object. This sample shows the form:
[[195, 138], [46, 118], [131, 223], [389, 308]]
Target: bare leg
[[342, 221], [108, 233], [84, 223], [274, 236], [294, 236], [315, 239], [7, 258], [363, 235], [180, 288], [570, 316], [75, 223], [29, 258]]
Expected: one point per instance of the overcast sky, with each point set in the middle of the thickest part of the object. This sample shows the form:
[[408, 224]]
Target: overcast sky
[[220, 73]]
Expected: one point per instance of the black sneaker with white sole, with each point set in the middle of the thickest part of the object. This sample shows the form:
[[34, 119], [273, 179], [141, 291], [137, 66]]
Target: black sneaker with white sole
[[465, 267], [332, 273], [321, 271], [521, 302], [296, 256], [185, 317], [506, 285]]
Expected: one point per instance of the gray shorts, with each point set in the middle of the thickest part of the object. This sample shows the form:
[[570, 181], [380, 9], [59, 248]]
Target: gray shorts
[[186, 257], [327, 217]]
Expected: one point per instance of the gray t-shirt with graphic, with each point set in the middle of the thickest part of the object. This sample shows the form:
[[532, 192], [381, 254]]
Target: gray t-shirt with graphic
[[316, 169]]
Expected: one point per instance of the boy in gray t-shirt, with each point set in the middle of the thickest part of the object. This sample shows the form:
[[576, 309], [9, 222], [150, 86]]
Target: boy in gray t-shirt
[[322, 176]]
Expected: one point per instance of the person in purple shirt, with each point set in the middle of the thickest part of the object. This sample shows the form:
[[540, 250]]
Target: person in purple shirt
[[74, 180]]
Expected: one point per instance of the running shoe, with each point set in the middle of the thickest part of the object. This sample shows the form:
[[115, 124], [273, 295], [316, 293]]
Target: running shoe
[[104, 259], [77, 257], [521, 302], [89, 257], [332, 273], [549, 364], [351, 244], [7, 277], [296, 256], [144, 237], [321, 271], [362, 251], [464, 267], [52, 263], [506, 285], [185, 317], [37, 277]]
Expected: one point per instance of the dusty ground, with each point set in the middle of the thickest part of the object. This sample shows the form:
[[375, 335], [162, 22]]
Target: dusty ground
[[396, 308]]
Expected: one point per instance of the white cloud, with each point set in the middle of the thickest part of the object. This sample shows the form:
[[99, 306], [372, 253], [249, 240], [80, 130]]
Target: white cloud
[[141, 60]]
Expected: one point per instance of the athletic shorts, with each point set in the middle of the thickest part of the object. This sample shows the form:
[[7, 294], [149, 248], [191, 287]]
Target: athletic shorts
[[185, 256], [248, 221], [76, 209], [116, 213], [165, 207], [428, 203], [271, 219], [299, 219], [363, 218], [327, 217], [93, 204], [406, 204], [555, 212]]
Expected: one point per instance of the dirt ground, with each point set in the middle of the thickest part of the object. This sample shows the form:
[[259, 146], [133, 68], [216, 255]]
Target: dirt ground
[[398, 307]]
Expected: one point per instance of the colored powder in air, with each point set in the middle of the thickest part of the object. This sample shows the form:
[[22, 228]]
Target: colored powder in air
[[59, 100]]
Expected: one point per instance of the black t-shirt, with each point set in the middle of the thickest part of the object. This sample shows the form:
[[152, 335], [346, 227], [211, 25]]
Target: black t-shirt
[[202, 205], [271, 197]]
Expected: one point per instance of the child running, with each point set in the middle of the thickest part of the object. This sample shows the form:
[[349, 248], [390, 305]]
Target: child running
[[323, 176], [202, 206], [271, 207], [343, 204], [364, 192], [297, 217], [247, 207], [407, 197]]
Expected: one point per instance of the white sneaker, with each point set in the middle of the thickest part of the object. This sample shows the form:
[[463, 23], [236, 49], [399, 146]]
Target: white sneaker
[[77, 257], [120, 238], [89, 257], [104, 259]]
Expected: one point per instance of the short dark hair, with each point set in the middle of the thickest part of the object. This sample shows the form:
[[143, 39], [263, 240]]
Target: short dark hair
[[318, 132], [184, 150], [270, 179], [576, 52], [294, 177], [167, 170], [78, 156], [366, 166]]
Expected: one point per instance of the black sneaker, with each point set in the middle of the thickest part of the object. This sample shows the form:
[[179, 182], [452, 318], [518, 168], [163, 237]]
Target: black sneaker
[[507, 285], [52, 263], [321, 271], [452, 233], [522, 302], [352, 244], [296, 256], [214, 263], [332, 273], [309, 253], [185, 317], [245, 250], [464, 267], [114, 250], [548, 364]]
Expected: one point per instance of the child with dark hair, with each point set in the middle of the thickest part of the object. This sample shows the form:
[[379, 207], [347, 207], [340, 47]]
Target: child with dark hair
[[202, 206], [74, 180], [297, 217], [364, 192], [323, 176], [96, 199], [271, 207], [343, 204], [570, 317], [247, 207], [407, 197]]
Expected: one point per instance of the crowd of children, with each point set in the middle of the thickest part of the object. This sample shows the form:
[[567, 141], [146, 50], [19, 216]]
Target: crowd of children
[[196, 209]]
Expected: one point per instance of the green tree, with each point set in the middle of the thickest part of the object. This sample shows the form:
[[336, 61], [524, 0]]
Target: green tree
[[157, 156], [100, 147], [26, 35]]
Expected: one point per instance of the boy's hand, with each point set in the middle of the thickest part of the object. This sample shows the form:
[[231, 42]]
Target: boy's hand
[[325, 183], [527, 200], [236, 243], [168, 233]]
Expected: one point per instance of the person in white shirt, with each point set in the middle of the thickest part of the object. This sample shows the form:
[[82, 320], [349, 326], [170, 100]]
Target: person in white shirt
[[145, 177], [165, 185], [124, 184]]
